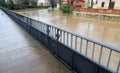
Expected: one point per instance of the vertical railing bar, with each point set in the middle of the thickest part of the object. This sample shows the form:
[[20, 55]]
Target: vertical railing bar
[[75, 42], [81, 45], [118, 67], [109, 58], [52, 33], [48, 31], [44, 30], [60, 35], [47, 27], [71, 40], [64, 37], [67, 38], [56, 33], [100, 54], [86, 48], [93, 52]]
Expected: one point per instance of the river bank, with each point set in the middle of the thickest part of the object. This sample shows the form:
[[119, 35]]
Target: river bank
[[114, 17]]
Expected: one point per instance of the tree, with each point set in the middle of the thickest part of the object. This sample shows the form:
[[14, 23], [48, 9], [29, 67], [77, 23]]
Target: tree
[[26, 2], [33, 2], [10, 4], [2, 2], [61, 2]]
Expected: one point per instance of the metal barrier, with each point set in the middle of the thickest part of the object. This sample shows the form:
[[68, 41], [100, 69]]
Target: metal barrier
[[82, 54]]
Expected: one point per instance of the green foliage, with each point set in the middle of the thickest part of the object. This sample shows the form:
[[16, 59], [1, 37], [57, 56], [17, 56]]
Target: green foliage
[[65, 9], [10, 5], [34, 6], [16, 7], [2, 2], [26, 2], [23, 5]]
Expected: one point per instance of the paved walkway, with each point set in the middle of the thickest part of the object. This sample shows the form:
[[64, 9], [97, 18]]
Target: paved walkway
[[20, 53]]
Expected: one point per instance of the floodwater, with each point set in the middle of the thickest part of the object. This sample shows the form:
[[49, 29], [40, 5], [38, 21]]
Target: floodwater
[[102, 30], [98, 29]]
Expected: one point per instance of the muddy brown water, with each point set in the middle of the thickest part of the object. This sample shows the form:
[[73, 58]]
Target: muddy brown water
[[103, 30]]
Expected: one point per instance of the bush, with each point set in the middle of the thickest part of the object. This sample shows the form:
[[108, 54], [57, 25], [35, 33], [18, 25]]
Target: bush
[[65, 9]]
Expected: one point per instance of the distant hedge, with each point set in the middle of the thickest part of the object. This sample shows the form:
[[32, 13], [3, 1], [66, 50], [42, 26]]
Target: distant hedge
[[16, 7], [65, 9]]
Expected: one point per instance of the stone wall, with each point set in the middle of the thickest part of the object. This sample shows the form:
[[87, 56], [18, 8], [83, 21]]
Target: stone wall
[[107, 11]]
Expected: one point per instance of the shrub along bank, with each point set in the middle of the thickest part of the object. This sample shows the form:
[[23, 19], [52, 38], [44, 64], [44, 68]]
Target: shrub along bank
[[65, 9]]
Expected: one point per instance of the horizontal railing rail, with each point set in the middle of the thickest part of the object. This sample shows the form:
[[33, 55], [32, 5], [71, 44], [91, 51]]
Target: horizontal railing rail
[[96, 52]]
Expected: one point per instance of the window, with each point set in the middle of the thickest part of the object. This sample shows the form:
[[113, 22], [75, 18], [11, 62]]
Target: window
[[103, 3], [111, 5]]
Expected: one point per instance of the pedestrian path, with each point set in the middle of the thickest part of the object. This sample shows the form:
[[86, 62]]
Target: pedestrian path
[[20, 53]]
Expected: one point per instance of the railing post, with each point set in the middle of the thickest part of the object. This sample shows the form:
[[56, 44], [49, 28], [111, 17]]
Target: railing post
[[48, 30], [57, 40], [57, 35], [30, 26]]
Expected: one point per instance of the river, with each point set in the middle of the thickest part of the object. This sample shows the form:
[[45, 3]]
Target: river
[[102, 30]]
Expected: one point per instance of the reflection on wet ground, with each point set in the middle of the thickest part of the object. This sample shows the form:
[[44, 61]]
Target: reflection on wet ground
[[103, 30]]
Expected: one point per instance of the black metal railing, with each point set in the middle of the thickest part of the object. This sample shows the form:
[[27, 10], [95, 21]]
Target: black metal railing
[[82, 54]]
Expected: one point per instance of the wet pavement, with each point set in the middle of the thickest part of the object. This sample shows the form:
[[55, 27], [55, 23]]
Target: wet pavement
[[95, 28], [20, 53]]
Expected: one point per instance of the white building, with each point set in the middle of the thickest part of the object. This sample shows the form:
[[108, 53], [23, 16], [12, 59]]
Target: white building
[[64, 2], [106, 4], [43, 3]]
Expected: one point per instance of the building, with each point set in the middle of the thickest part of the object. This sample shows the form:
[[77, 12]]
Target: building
[[43, 3], [64, 2], [79, 4], [107, 4]]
